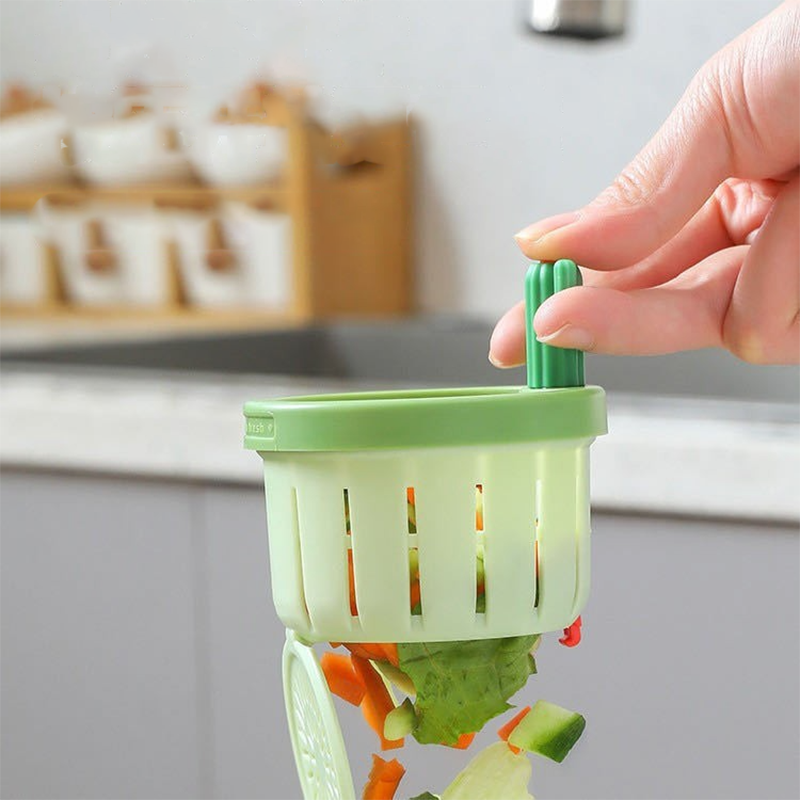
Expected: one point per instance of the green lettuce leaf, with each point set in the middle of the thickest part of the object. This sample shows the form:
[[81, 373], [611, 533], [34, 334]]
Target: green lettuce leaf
[[462, 685]]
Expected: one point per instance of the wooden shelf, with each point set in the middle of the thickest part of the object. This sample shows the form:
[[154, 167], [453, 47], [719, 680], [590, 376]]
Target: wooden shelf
[[166, 318], [349, 200], [22, 199]]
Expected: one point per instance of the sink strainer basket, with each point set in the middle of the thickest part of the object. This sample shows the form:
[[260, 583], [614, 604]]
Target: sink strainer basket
[[341, 472]]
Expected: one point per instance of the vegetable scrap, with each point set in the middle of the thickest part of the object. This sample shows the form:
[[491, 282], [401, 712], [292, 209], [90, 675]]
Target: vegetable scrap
[[451, 690]]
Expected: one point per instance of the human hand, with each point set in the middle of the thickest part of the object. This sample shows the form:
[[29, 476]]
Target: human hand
[[697, 242]]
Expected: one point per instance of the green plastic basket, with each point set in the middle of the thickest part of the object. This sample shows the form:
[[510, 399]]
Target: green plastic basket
[[527, 450], [337, 472]]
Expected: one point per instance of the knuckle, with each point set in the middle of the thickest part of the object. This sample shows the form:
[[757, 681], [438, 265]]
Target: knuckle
[[723, 91], [630, 188], [750, 343]]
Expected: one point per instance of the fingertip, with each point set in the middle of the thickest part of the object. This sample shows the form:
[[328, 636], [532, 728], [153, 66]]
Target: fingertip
[[507, 342], [537, 231]]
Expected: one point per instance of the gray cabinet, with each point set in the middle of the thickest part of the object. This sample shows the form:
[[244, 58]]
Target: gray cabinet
[[141, 656], [100, 691]]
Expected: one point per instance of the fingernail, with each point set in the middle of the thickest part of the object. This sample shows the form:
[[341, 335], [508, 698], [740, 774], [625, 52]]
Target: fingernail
[[569, 336], [540, 229], [494, 361]]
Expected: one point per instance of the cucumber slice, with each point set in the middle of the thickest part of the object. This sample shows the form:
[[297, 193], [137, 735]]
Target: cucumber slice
[[426, 796], [548, 730], [396, 676], [494, 774], [400, 721]]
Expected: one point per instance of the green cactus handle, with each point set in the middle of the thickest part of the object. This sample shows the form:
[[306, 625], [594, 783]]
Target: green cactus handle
[[550, 367]]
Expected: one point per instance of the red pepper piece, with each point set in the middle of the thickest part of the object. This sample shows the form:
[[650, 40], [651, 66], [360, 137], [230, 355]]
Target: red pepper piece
[[572, 635]]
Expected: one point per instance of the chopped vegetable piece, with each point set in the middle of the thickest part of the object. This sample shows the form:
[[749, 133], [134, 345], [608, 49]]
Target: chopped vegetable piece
[[400, 721], [426, 796], [494, 774], [548, 730], [391, 654], [384, 778], [372, 652], [505, 731], [480, 581], [397, 677], [377, 702], [351, 582], [342, 678], [462, 685], [464, 741], [411, 509], [416, 596], [413, 572], [572, 634], [479, 507]]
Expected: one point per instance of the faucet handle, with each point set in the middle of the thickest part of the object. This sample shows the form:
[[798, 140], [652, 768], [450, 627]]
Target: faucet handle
[[578, 19]]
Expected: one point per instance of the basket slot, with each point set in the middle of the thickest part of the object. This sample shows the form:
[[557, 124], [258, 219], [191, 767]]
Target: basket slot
[[582, 530], [351, 577], [378, 513], [323, 547], [415, 599], [556, 536], [509, 513], [480, 582], [445, 495], [284, 550]]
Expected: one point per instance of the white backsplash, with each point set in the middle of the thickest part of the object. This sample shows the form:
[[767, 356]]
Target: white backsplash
[[512, 126]]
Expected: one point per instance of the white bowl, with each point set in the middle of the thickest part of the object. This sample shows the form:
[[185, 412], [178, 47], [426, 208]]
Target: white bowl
[[261, 275], [23, 261], [226, 154], [30, 147], [136, 236], [127, 151]]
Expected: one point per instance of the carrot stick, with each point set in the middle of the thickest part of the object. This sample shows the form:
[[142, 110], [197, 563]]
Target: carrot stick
[[351, 579], [415, 593], [377, 702], [506, 730], [464, 741], [375, 652], [342, 678], [371, 652], [391, 654], [384, 778]]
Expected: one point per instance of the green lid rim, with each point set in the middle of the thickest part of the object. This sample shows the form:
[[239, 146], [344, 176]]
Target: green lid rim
[[424, 418]]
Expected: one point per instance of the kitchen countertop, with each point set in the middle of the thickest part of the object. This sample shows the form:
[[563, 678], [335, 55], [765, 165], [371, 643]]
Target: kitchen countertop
[[695, 457]]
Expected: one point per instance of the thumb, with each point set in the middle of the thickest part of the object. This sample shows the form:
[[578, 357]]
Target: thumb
[[738, 118]]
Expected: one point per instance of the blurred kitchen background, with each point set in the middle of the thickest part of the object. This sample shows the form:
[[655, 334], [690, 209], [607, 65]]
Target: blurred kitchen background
[[207, 202]]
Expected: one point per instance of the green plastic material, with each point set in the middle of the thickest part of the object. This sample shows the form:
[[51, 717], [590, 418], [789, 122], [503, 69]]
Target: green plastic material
[[319, 749], [337, 470], [550, 367], [535, 503], [426, 418]]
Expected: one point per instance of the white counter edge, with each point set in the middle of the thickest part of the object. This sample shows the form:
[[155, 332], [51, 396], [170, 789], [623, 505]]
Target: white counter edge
[[651, 461]]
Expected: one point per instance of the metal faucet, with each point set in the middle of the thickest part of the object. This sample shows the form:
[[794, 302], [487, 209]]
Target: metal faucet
[[578, 19]]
